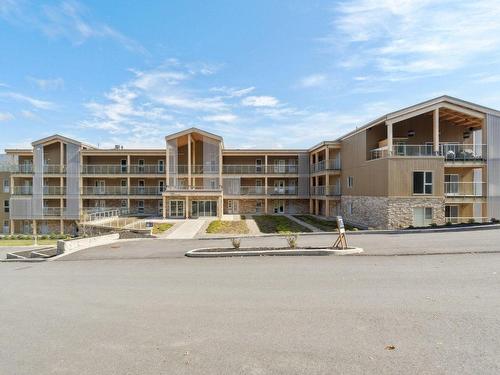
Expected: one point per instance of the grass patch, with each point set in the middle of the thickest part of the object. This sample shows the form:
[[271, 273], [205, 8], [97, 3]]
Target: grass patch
[[160, 228], [26, 242], [278, 224], [228, 227], [322, 224]]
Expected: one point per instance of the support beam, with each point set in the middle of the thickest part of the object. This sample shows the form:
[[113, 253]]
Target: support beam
[[389, 138], [186, 207], [167, 166], [265, 206], [12, 227], [189, 160], [34, 228], [61, 226], [164, 198], [435, 130]]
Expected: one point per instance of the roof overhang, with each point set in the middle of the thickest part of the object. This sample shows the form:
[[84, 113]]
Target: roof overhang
[[194, 130], [59, 138], [449, 102]]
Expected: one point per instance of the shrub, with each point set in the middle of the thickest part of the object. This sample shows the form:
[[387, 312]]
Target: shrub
[[495, 221], [236, 242], [44, 237], [53, 236], [292, 241], [411, 227], [433, 225], [448, 223], [472, 221]]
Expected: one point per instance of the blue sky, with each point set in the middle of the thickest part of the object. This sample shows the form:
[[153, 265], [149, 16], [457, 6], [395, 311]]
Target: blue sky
[[269, 73]]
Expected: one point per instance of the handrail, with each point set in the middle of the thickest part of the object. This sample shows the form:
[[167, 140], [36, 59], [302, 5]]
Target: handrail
[[465, 189], [450, 151]]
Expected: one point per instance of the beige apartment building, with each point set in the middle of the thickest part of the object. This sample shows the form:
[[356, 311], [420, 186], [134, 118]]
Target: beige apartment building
[[434, 162]]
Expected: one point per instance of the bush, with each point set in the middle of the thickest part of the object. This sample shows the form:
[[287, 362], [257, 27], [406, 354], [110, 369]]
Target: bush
[[433, 225], [448, 223], [495, 221], [292, 241], [410, 227], [52, 236], [44, 237], [472, 221], [236, 242]]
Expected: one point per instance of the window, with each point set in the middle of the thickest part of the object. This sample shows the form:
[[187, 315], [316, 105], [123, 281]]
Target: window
[[6, 226], [350, 181], [124, 203], [6, 185], [161, 166], [6, 206], [422, 182], [349, 208], [451, 214], [258, 207]]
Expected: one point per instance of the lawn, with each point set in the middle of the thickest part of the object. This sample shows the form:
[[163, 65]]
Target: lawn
[[228, 227], [278, 224], [26, 242], [322, 224], [160, 228]]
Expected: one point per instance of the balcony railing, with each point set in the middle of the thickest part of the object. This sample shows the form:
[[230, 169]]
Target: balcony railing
[[104, 190], [147, 169], [23, 190], [451, 152], [146, 190], [47, 190], [465, 189], [54, 169], [52, 211], [193, 188], [21, 168], [331, 190], [250, 190], [205, 169], [104, 169], [243, 169], [331, 164], [282, 169], [278, 190]]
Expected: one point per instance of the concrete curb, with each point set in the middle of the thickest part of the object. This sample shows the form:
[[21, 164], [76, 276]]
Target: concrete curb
[[230, 252], [366, 232]]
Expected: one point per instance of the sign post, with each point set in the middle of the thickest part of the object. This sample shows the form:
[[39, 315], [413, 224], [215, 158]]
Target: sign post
[[341, 242]]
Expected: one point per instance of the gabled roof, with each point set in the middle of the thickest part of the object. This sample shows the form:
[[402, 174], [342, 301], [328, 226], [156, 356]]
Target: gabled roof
[[460, 105], [57, 137], [194, 130]]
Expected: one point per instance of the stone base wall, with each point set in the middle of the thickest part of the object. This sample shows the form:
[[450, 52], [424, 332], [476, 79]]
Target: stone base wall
[[389, 213], [401, 211]]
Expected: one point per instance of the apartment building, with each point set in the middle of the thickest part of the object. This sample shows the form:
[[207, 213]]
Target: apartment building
[[435, 162]]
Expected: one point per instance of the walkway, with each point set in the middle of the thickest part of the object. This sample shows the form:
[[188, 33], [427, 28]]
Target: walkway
[[187, 230]]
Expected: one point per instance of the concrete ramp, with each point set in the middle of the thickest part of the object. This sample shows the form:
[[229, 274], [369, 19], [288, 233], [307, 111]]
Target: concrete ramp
[[186, 230]]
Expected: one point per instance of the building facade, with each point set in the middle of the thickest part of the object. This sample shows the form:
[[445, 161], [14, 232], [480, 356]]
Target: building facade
[[435, 162]]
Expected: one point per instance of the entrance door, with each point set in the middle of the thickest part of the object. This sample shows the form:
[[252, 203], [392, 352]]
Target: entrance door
[[422, 216], [232, 206], [176, 209], [279, 166], [279, 207], [140, 207], [100, 187], [258, 187], [279, 187], [204, 208], [451, 184]]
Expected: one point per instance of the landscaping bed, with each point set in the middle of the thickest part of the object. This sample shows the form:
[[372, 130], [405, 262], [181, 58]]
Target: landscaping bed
[[161, 227], [322, 224], [270, 251], [228, 227], [278, 224]]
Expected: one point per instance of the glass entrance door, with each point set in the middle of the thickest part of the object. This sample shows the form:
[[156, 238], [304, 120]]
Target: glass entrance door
[[203, 208], [176, 209]]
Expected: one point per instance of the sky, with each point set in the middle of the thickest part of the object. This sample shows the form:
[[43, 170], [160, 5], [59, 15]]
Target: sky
[[260, 73]]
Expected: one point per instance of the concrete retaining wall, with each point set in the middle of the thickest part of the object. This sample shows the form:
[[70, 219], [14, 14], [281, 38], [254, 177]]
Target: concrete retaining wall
[[84, 243]]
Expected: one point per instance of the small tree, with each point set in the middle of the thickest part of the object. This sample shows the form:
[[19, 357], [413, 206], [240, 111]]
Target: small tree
[[236, 242], [292, 240]]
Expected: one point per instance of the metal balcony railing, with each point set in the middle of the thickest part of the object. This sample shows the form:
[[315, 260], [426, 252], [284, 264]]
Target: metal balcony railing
[[282, 169], [146, 190], [465, 189], [54, 190], [21, 168], [193, 188], [147, 169], [23, 190], [205, 169], [53, 211], [451, 152], [243, 169], [54, 169], [251, 190], [104, 190], [278, 190], [104, 169], [331, 164], [331, 190]]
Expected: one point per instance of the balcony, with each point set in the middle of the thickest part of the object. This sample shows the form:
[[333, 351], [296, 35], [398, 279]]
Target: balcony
[[47, 190], [104, 190], [465, 189], [104, 169], [250, 190], [282, 190], [53, 211], [21, 169], [451, 152], [205, 169], [243, 169], [331, 165], [22, 190], [147, 169], [331, 190], [146, 190], [466, 220], [54, 169]]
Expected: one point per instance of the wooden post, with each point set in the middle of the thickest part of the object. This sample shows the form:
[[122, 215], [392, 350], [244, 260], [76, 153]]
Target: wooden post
[[435, 130], [61, 226], [186, 207], [11, 227], [164, 198], [389, 138], [189, 160]]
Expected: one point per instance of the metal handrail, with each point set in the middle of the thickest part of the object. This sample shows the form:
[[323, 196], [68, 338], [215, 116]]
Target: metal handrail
[[146, 169], [104, 169], [464, 189], [104, 190], [465, 219], [450, 151]]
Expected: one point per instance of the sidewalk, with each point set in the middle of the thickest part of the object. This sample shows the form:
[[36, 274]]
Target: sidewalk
[[186, 230]]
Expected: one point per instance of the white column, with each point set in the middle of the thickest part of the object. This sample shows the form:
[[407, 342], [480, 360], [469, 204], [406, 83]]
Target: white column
[[435, 130], [389, 138], [164, 198], [167, 166], [189, 160]]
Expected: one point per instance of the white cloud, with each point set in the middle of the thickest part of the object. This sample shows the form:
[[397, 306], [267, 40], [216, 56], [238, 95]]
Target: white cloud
[[232, 92], [67, 19], [28, 114], [313, 80], [260, 101], [37, 103], [417, 36], [223, 117], [6, 116], [48, 83]]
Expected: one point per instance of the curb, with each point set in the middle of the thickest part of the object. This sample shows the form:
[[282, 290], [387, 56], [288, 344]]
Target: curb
[[230, 252]]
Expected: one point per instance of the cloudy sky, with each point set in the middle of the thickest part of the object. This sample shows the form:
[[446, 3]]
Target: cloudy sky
[[261, 73]]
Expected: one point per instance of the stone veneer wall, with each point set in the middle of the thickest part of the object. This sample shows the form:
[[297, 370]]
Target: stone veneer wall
[[401, 210], [389, 213]]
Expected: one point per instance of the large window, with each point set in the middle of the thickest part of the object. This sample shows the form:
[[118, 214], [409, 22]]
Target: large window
[[422, 182], [6, 185]]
